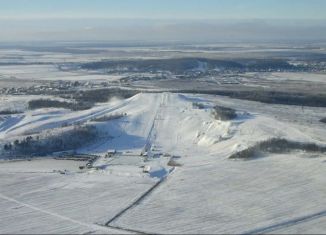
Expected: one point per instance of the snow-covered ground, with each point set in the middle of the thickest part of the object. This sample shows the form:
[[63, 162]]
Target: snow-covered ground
[[296, 76], [20, 102], [51, 72], [205, 193]]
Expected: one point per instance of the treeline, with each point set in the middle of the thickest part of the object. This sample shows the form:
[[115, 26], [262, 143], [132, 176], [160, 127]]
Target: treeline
[[268, 64], [276, 145], [180, 65], [271, 97], [177, 65], [82, 99], [9, 112], [197, 105], [106, 118], [223, 113], [68, 139], [48, 103], [101, 95]]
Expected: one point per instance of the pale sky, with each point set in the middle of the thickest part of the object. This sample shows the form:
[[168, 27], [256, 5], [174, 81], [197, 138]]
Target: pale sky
[[171, 9], [198, 20]]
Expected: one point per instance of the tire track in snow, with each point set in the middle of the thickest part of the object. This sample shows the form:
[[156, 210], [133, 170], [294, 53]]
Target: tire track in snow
[[139, 200], [90, 226], [126, 229], [288, 223]]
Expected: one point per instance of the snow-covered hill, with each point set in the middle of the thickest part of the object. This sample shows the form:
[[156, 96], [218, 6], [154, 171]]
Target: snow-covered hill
[[201, 192]]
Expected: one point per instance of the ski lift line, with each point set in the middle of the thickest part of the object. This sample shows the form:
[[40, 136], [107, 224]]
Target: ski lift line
[[149, 136]]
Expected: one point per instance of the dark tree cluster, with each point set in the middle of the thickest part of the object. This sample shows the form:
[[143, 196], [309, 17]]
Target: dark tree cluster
[[270, 97], [198, 105], [64, 140], [109, 117], [48, 103], [101, 95], [181, 65], [224, 113], [9, 112], [276, 145]]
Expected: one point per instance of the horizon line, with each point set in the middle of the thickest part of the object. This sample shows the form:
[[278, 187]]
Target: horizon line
[[151, 18]]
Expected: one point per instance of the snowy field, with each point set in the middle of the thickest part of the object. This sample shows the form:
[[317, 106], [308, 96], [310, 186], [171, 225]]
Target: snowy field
[[50, 72], [205, 192], [20, 102], [287, 76], [34, 199], [215, 195]]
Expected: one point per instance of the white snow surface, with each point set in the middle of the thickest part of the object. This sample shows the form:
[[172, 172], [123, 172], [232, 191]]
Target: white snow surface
[[51, 73], [207, 193]]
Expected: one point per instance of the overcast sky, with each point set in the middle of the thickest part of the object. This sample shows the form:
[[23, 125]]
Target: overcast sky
[[198, 20]]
